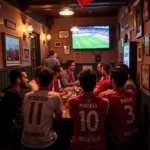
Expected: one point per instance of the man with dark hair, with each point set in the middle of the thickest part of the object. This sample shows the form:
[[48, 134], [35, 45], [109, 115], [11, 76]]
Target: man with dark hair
[[38, 109], [129, 85], [10, 104], [58, 75], [68, 78], [51, 60], [99, 70], [88, 113], [122, 112], [103, 84], [34, 84]]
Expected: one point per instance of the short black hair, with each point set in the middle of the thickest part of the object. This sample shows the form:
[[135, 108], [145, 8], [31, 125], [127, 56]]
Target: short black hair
[[15, 73], [119, 75], [37, 70], [45, 76], [124, 66], [51, 52], [87, 80], [107, 68], [56, 68], [69, 63]]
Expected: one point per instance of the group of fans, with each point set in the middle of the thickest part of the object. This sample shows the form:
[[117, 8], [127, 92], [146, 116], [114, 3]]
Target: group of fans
[[106, 109]]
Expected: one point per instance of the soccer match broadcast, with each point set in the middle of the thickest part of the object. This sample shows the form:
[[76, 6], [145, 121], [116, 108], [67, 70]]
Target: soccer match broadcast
[[91, 37]]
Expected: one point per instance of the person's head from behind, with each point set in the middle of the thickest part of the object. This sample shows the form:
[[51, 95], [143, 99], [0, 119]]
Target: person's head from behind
[[99, 67], [18, 76], [37, 71], [45, 77], [87, 80], [124, 66], [118, 77], [70, 64], [58, 70], [51, 53], [106, 69]]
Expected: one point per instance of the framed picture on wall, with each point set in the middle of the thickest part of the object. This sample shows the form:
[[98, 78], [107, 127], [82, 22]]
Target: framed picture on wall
[[126, 18], [122, 23], [131, 21], [147, 44], [11, 49], [139, 52], [138, 20], [63, 34], [57, 44], [146, 9], [145, 76], [1, 14], [66, 50], [26, 53]]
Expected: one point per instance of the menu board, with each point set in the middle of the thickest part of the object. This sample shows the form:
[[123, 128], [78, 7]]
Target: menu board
[[126, 55]]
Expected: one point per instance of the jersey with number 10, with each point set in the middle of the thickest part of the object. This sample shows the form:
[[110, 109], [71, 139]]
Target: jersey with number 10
[[122, 116], [88, 113], [38, 109]]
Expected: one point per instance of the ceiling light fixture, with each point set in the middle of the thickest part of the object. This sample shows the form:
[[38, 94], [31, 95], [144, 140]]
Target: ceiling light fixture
[[74, 27], [66, 11]]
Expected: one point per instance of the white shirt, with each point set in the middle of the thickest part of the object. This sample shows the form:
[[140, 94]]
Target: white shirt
[[38, 109]]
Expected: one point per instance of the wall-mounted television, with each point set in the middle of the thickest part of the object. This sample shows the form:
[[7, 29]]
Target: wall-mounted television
[[91, 37]]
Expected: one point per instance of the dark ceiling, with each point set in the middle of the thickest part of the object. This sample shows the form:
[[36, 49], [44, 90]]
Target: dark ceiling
[[94, 9]]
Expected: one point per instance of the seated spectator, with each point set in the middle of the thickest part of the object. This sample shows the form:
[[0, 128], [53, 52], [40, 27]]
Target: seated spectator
[[122, 112], [129, 85], [68, 78], [38, 109], [88, 113], [51, 60], [58, 75], [9, 106], [34, 84], [103, 85]]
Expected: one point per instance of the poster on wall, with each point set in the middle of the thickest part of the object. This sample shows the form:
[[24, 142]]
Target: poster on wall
[[77, 55], [26, 53], [66, 50]]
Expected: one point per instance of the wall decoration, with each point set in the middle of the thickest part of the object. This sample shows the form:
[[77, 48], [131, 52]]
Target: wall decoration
[[122, 23], [145, 76], [131, 21], [138, 20], [77, 55], [1, 14], [126, 18], [146, 9], [66, 50], [139, 52], [118, 31], [63, 34], [26, 53], [57, 44], [11, 49], [129, 36], [10, 24], [147, 44]]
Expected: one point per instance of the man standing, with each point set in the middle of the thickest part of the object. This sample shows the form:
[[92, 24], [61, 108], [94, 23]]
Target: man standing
[[10, 104], [51, 60], [88, 113], [68, 78], [38, 109], [103, 84], [122, 112]]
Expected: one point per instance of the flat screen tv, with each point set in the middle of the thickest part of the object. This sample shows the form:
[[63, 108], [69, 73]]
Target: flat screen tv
[[91, 37]]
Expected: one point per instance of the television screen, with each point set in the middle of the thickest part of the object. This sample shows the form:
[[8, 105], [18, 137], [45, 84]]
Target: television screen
[[91, 37]]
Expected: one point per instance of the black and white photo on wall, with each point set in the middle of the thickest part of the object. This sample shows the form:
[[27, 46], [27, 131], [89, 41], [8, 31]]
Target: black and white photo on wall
[[122, 23], [139, 52], [118, 31], [131, 20], [138, 19], [147, 44], [10, 24], [127, 18]]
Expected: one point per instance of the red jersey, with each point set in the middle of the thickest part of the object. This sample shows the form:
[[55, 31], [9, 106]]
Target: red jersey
[[103, 85], [122, 115], [88, 113]]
